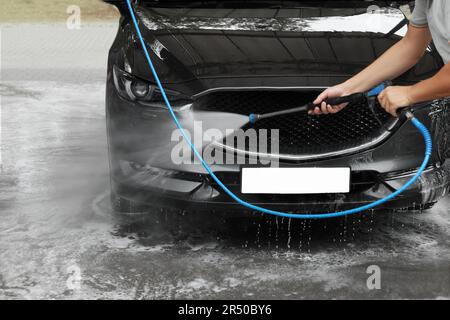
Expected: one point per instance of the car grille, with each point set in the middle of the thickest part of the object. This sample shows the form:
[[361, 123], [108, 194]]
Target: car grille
[[300, 134]]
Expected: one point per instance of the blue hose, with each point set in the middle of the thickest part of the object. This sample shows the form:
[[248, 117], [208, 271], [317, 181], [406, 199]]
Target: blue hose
[[423, 130]]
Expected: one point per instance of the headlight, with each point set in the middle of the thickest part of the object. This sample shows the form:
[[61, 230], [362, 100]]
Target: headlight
[[134, 89]]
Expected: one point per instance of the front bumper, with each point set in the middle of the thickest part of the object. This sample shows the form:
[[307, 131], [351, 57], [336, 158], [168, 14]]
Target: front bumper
[[199, 193]]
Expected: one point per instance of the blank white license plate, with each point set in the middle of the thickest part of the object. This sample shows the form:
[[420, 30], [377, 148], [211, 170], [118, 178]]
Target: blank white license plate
[[295, 180]]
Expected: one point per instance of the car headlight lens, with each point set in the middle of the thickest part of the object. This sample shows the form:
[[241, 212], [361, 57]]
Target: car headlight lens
[[134, 89], [140, 90]]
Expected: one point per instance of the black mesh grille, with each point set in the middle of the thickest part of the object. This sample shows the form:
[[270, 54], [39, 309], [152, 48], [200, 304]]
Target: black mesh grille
[[300, 133]]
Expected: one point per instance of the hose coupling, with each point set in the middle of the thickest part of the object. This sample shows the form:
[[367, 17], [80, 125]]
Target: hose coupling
[[409, 115]]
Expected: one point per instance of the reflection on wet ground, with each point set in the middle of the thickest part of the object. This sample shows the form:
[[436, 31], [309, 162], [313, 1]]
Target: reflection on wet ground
[[59, 240]]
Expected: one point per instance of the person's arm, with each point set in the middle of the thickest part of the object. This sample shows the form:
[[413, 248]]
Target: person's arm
[[436, 87], [433, 88], [394, 62]]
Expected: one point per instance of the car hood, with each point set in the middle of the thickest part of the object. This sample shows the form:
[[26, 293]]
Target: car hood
[[204, 48]]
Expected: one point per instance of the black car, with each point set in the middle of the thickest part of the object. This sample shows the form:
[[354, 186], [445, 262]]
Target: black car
[[234, 58]]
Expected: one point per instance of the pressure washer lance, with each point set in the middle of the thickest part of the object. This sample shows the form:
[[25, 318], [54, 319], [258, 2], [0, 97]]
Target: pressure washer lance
[[353, 98]]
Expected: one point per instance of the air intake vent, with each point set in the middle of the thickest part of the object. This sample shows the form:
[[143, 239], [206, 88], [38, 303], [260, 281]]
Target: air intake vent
[[300, 135]]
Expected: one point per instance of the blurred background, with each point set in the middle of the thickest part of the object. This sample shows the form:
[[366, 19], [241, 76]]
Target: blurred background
[[53, 10]]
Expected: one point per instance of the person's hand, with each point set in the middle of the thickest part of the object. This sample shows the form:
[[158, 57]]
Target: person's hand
[[332, 92], [395, 97]]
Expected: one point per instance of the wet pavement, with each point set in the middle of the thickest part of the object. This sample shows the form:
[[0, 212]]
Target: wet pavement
[[58, 239]]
